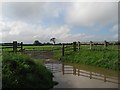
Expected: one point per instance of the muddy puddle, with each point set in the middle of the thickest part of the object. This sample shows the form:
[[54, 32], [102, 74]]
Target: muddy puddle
[[70, 75], [74, 76]]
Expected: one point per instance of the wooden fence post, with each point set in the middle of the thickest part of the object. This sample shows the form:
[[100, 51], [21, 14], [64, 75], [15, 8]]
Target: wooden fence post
[[63, 69], [74, 46], [52, 68], [74, 71], [104, 78], [90, 75], [78, 72], [91, 45], [14, 46], [105, 43], [21, 46], [78, 46], [63, 50]]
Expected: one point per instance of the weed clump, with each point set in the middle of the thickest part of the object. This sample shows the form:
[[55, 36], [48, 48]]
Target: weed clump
[[19, 71]]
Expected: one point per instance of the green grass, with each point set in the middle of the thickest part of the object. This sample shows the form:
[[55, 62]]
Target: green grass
[[20, 71], [46, 47], [38, 47], [6, 48], [98, 56]]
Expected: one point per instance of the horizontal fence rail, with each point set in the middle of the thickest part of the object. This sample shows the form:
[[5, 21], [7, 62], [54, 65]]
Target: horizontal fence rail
[[75, 46], [99, 46]]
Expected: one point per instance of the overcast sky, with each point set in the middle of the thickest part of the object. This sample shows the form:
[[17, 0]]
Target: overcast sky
[[67, 22]]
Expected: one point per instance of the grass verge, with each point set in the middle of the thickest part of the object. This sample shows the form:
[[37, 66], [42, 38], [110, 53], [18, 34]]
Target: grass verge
[[100, 57], [20, 71]]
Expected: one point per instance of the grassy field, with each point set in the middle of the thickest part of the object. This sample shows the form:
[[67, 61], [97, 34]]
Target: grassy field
[[106, 58], [99, 55], [19, 71], [47, 47]]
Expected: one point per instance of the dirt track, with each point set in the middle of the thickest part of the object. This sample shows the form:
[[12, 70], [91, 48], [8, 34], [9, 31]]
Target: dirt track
[[68, 81], [39, 54]]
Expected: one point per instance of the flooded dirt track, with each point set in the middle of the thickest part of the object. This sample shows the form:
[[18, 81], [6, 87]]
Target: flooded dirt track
[[72, 81], [39, 54], [69, 77]]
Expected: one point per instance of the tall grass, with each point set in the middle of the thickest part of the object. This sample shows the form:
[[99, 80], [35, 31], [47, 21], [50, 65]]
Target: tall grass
[[20, 71], [98, 56]]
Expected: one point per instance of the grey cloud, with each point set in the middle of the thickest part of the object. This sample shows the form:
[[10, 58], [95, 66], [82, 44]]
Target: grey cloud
[[89, 14], [75, 14], [33, 11]]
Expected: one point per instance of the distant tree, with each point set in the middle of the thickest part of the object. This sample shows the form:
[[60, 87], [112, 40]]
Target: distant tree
[[36, 42], [53, 40], [48, 43]]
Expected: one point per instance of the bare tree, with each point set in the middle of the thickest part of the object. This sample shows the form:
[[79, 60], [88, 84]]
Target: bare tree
[[53, 40]]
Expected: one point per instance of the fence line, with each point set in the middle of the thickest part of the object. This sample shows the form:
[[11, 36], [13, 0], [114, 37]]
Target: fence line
[[76, 46]]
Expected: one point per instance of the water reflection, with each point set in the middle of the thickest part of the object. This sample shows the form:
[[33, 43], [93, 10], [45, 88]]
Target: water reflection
[[68, 69]]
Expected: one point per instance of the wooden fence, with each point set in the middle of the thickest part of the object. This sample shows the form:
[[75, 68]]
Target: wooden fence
[[15, 46], [76, 46]]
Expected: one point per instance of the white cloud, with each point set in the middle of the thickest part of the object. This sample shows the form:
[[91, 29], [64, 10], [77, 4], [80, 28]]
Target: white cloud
[[23, 17], [60, 1], [2, 24], [115, 32], [0, 9], [76, 13], [89, 14], [115, 36], [76, 37], [27, 33], [114, 28]]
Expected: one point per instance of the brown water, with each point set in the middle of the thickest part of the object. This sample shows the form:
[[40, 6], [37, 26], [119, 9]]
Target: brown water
[[70, 75], [82, 76], [104, 71]]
